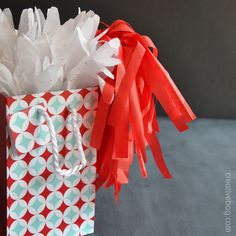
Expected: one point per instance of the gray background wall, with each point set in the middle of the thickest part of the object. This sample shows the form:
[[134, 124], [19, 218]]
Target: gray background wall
[[196, 41]]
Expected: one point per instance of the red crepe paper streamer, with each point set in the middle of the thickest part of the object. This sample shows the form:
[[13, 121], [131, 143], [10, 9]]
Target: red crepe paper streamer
[[126, 120]]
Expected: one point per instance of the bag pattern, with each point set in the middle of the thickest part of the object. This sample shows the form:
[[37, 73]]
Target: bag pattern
[[41, 202]]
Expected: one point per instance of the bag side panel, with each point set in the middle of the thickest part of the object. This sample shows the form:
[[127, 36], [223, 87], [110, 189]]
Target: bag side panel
[[3, 168]]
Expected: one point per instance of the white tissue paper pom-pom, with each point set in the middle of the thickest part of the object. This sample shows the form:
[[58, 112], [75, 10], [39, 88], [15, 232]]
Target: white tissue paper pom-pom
[[43, 55]]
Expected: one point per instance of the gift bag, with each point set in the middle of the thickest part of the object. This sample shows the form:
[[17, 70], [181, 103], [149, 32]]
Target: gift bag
[[49, 141], [47, 165]]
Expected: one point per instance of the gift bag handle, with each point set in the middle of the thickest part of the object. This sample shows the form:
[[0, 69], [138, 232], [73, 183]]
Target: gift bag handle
[[55, 152]]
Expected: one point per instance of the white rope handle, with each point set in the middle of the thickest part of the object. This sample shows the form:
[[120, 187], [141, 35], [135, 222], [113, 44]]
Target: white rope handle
[[55, 152]]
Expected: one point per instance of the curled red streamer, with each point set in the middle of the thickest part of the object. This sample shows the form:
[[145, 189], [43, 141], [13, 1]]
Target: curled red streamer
[[126, 118]]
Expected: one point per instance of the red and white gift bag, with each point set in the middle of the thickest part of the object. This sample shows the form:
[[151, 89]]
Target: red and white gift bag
[[48, 172], [48, 168]]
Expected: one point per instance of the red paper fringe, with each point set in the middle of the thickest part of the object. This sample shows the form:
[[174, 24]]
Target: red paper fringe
[[126, 118]]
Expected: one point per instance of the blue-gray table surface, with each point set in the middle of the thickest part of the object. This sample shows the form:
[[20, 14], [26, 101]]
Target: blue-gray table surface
[[190, 204]]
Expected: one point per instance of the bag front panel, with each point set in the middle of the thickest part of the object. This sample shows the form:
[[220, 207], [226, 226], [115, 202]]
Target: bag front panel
[[39, 201]]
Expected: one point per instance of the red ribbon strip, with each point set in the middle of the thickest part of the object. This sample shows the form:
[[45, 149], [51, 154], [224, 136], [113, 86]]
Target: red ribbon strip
[[126, 118]]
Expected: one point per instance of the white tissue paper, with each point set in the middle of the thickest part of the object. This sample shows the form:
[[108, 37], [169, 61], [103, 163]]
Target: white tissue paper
[[43, 55]]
